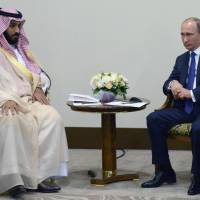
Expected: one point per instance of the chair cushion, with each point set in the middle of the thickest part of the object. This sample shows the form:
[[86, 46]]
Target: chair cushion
[[181, 129]]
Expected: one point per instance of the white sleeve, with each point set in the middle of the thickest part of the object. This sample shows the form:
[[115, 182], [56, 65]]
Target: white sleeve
[[193, 97], [45, 82]]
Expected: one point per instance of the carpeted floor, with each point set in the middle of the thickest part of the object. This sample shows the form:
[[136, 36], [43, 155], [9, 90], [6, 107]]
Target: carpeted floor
[[77, 186]]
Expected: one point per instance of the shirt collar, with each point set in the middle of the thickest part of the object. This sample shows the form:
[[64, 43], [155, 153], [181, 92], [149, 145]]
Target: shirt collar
[[197, 51]]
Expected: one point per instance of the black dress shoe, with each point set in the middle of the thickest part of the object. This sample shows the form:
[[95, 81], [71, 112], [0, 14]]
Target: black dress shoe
[[194, 187], [16, 191], [48, 188], [53, 184], [159, 179]]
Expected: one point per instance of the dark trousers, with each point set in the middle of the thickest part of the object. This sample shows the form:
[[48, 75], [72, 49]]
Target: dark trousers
[[160, 122]]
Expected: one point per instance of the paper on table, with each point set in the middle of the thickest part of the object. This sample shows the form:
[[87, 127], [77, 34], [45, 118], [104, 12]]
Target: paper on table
[[86, 104], [113, 103], [126, 104], [82, 98]]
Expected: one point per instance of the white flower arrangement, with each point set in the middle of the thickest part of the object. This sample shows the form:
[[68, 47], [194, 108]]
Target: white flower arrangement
[[110, 81]]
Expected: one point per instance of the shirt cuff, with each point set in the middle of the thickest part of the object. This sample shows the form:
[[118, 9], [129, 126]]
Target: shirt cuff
[[192, 94], [45, 82], [170, 85]]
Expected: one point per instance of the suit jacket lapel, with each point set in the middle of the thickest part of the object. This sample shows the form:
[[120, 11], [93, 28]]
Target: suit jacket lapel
[[184, 70]]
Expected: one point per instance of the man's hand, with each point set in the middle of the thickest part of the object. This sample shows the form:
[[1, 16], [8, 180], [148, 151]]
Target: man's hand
[[179, 92], [184, 94], [176, 88], [12, 106], [39, 95]]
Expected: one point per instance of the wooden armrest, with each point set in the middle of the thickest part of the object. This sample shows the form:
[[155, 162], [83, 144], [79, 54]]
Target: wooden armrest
[[166, 104]]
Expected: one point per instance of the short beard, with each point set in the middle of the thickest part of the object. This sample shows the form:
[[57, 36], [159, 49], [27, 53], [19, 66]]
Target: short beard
[[12, 41]]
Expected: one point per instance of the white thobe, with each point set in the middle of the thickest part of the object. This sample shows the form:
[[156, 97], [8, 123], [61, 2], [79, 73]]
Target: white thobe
[[45, 82], [33, 144]]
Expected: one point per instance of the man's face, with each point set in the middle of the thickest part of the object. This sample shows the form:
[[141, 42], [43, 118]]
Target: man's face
[[190, 35], [13, 31]]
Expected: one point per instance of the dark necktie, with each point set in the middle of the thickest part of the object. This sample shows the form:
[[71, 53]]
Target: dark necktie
[[190, 82]]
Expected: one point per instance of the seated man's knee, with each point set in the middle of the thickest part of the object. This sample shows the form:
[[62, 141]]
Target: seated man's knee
[[151, 118], [54, 116]]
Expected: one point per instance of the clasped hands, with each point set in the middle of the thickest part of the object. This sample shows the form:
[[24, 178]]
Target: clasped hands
[[179, 92], [15, 108]]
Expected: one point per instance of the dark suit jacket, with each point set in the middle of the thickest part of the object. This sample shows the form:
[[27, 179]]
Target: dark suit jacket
[[180, 73]]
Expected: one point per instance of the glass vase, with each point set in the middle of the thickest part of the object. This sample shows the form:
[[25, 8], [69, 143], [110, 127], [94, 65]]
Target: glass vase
[[105, 96]]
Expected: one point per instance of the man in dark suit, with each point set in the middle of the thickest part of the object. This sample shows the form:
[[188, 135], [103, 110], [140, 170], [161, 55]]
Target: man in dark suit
[[184, 84]]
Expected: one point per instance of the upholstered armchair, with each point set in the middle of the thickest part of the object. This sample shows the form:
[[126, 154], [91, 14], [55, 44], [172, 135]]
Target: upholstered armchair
[[180, 131]]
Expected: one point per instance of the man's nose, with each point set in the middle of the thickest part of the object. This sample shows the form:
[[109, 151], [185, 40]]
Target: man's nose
[[16, 29], [185, 39]]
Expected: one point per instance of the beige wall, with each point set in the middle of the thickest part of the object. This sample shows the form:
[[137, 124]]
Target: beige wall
[[75, 39]]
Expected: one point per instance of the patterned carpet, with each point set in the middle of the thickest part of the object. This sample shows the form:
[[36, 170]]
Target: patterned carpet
[[77, 185], [96, 197]]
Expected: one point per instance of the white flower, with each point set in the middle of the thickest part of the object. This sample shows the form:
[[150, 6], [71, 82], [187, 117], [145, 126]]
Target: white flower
[[106, 79], [114, 76], [109, 81], [100, 83]]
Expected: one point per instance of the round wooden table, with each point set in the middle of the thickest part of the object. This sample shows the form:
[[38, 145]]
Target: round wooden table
[[108, 127]]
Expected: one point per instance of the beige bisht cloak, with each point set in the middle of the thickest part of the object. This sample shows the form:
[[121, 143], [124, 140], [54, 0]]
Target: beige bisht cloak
[[33, 144]]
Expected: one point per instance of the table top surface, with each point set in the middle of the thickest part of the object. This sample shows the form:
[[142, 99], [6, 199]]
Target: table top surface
[[107, 108]]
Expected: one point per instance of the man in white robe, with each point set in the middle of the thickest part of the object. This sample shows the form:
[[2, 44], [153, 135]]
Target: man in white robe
[[33, 145]]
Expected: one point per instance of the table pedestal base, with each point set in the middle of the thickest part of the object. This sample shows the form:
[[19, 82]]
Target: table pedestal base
[[115, 178], [109, 161]]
